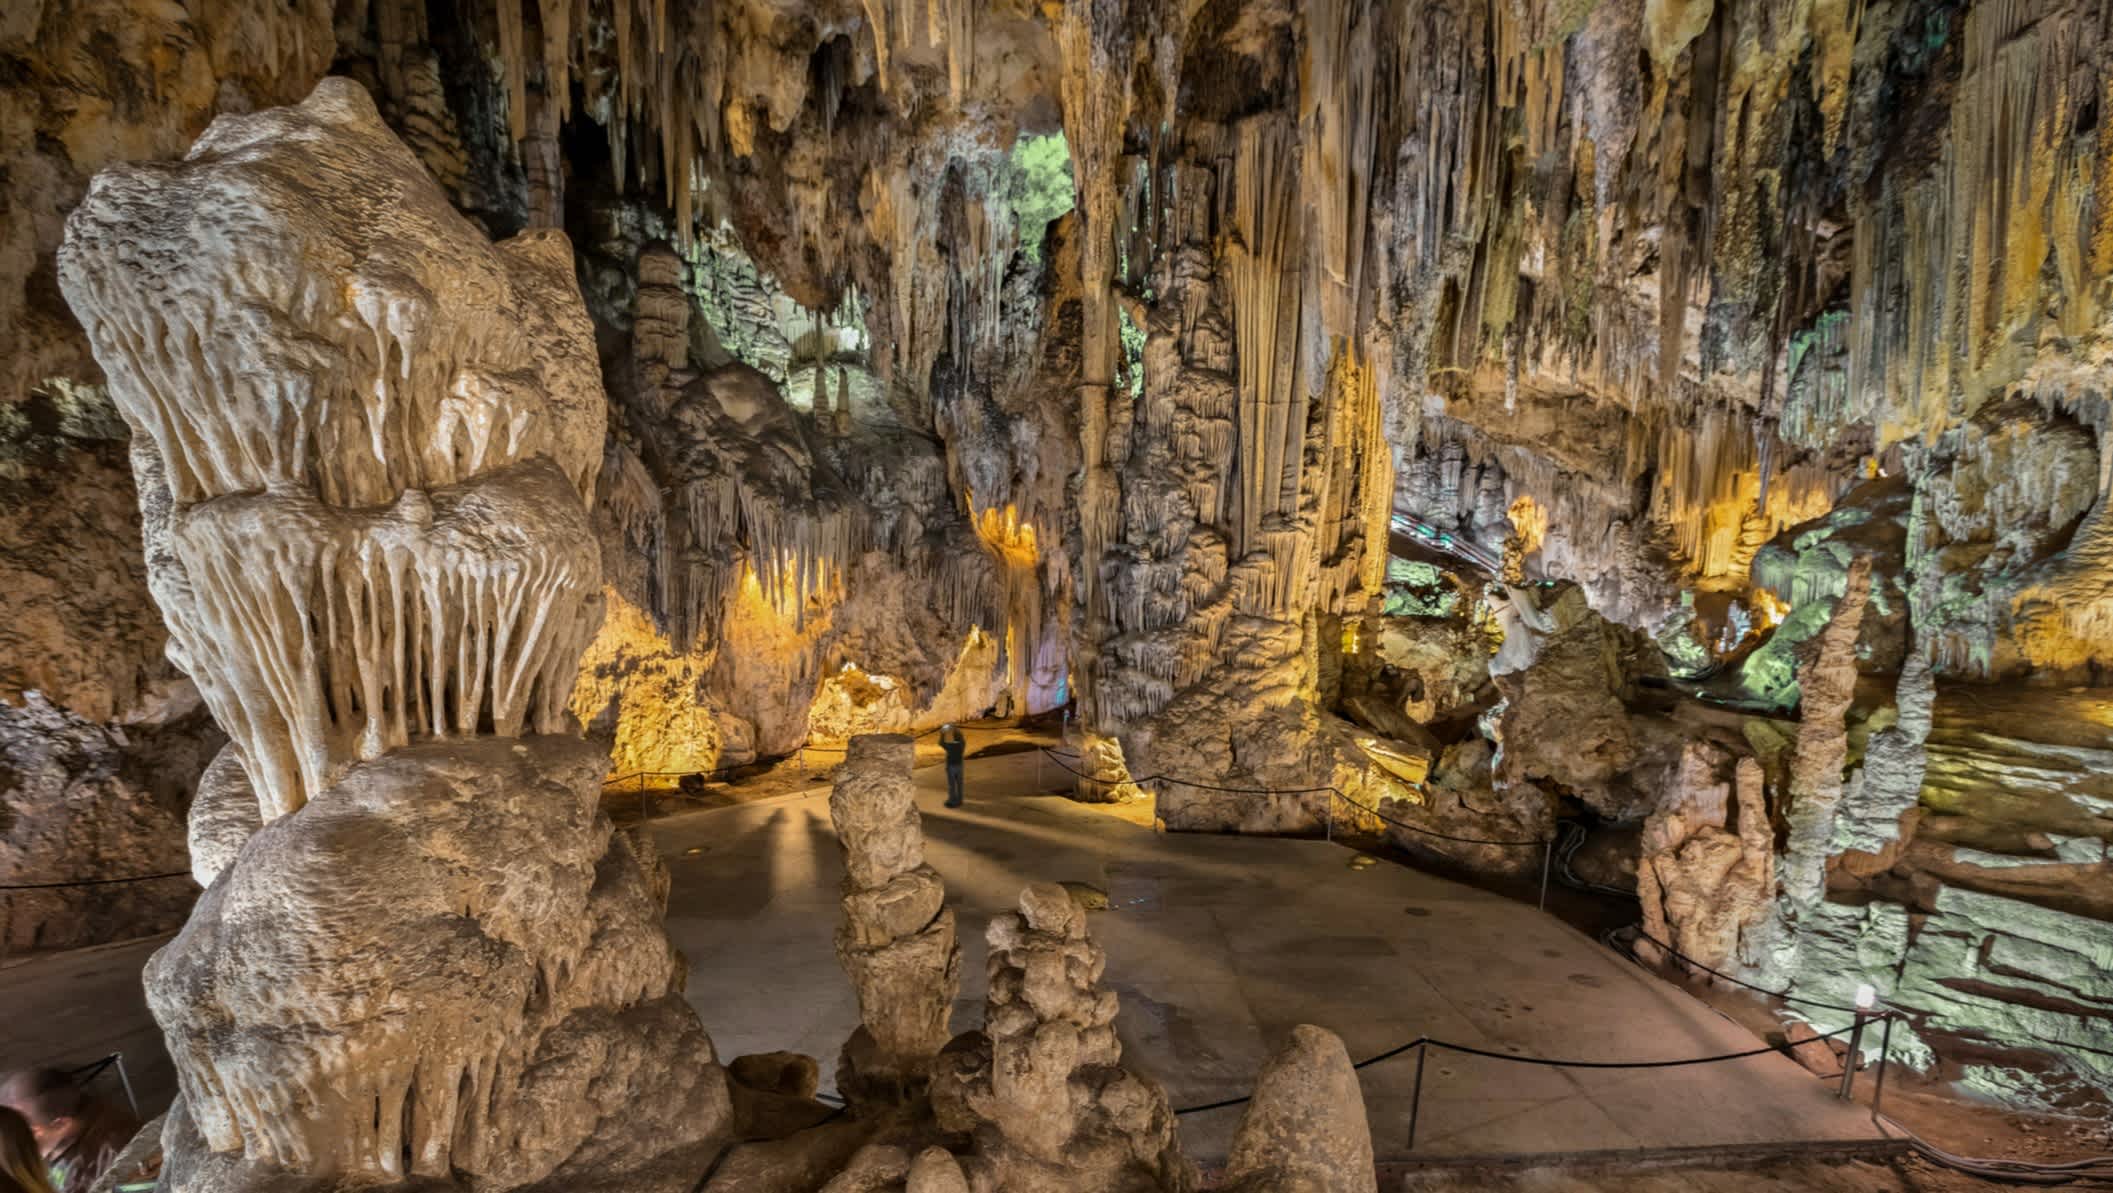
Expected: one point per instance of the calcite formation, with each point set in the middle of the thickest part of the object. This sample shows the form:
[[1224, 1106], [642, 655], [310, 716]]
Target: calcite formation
[[363, 435], [897, 939], [1706, 874], [1305, 1128], [1042, 1090]]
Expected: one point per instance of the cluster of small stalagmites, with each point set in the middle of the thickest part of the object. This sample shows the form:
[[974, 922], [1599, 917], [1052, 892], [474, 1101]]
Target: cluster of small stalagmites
[[1706, 868], [362, 436], [897, 941], [1041, 1089]]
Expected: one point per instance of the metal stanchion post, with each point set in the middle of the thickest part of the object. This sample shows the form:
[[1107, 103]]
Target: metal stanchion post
[[125, 1079], [1856, 1042], [1885, 1054], [1331, 815], [1416, 1093], [1547, 862]]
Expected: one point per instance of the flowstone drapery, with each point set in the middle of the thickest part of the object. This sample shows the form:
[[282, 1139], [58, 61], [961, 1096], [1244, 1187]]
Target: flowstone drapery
[[362, 436]]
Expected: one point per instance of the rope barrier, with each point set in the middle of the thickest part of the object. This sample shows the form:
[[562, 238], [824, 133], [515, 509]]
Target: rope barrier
[[48, 886], [1785, 995], [1545, 1062]]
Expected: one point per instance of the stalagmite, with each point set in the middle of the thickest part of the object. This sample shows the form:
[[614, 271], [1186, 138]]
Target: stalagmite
[[1042, 1089], [363, 436], [897, 940], [1707, 869], [1813, 789], [1306, 1128]]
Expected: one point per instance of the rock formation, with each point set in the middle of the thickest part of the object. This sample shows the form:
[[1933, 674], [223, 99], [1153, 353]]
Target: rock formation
[[1707, 871], [1041, 1090], [897, 939], [362, 435], [1305, 1128]]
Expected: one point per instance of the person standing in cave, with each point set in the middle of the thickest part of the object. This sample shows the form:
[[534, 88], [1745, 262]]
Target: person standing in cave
[[956, 747]]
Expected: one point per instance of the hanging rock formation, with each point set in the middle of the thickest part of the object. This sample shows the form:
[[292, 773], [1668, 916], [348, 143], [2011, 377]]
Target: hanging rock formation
[[897, 940], [363, 436]]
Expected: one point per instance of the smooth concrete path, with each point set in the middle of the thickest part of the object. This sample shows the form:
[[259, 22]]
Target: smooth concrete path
[[1219, 945]]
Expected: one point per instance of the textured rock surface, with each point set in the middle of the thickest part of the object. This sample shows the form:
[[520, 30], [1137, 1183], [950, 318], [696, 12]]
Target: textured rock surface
[[1706, 876], [85, 800], [897, 939], [364, 524], [372, 990], [1306, 1127], [1042, 1089]]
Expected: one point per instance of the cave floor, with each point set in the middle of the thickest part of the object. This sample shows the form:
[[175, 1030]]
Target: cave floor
[[68, 1009], [1218, 945]]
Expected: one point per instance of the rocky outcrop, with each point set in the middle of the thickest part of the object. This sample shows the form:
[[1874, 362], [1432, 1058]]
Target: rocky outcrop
[[1564, 673], [1305, 1128], [1041, 1090], [370, 989], [1706, 875], [897, 940], [365, 525]]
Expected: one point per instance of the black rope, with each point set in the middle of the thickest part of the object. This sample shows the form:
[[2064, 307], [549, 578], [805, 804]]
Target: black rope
[[47, 886], [1544, 1062], [1785, 995], [90, 1071]]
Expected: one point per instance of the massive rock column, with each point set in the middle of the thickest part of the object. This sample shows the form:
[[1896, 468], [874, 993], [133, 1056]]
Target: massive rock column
[[897, 940], [363, 436]]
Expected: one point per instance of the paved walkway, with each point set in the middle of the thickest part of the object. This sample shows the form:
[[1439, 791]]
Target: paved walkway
[[1218, 945]]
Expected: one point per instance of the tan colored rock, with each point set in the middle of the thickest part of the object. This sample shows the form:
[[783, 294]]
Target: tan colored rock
[[363, 503], [1707, 872], [1306, 1127], [1042, 1089], [897, 940], [224, 815], [936, 1171]]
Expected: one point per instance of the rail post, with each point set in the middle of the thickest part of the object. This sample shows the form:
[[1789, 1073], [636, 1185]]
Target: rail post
[[1856, 1042], [1416, 1093], [1547, 862], [1885, 1054], [125, 1079], [1332, 793]]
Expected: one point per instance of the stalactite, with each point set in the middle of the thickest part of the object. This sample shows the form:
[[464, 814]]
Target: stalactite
[[1262, 268]]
